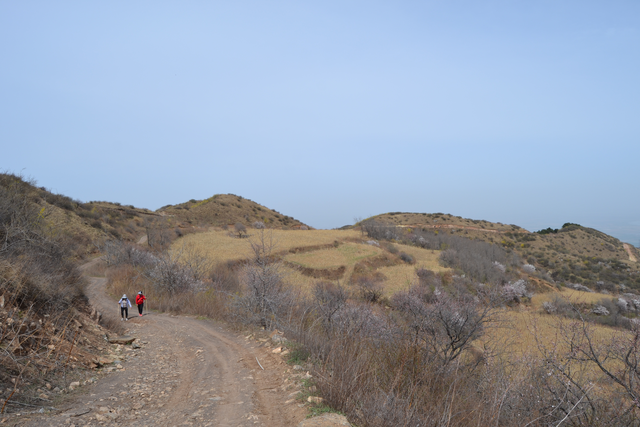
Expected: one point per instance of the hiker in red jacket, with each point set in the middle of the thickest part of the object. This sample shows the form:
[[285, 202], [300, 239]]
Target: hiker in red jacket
[[140, 299]]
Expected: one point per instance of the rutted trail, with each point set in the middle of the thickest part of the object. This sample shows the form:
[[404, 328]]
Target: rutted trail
[[187, 372]]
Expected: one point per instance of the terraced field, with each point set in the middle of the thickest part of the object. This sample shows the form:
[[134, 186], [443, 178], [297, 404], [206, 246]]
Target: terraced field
[[312, 255]]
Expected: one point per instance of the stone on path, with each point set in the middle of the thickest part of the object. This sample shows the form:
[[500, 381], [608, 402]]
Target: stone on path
[[124, 340], [326, 420]]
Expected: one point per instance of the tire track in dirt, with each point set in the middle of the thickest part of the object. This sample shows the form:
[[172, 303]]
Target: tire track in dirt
[[187, 372]]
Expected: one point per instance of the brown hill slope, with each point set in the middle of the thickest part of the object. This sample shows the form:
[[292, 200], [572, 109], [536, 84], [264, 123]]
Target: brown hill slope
[[440, 220], [228, 209], [80, 224], [572, 254], [84, 224]]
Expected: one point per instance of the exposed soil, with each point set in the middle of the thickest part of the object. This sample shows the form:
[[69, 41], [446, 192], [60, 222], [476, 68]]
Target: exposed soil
[[627, 248], [186, 372]]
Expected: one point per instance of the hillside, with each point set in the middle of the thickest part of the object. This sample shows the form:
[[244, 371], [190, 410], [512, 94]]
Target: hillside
[[79, 224], [572, 254], [446, 221], [228, 209], [85, 224]]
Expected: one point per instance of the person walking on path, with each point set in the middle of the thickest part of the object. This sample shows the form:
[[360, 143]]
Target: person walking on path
[[140, 299], [124, 307]]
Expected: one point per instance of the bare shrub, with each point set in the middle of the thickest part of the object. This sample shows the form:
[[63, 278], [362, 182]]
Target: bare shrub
[[574, 356], [476, 258], [380, 231], [516, 291], [600, 310], [391, 248], [196, 261], [369, 289], [241, 229], [578, 287], [329, 299], [117, 252], [549, 307], [406, 258], [172, 275], [258, 225], [225, 279], [266, 298], [446, 327], [429, 279], [159, 234]]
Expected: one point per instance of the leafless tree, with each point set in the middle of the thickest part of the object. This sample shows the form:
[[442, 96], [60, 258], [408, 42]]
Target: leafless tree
[[158, 233], [443, 326], [172, 273], [117, 252], [577, 358], [241, 229], [329, 299], [369, 289], [266, 296], [198, 263]]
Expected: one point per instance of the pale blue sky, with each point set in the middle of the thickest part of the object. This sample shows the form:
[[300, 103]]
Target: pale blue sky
[[518, 112]]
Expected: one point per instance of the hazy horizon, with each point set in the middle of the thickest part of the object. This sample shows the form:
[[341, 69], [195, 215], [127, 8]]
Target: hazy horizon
[[520, 113]]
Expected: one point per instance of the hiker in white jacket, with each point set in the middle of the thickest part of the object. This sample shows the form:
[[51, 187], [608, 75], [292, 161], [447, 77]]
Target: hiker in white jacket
[[124, 307]]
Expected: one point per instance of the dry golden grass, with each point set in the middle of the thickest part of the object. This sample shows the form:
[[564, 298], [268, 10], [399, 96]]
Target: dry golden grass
[[61, 221], [401, 277], [398, 277], [346, 254], [520, 327], [302, 282], [219, 246], [573, 296]]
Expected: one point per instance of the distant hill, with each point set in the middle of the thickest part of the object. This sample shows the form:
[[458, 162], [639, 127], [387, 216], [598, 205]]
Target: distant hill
[[228, 209], [572, 254], [440, 220]]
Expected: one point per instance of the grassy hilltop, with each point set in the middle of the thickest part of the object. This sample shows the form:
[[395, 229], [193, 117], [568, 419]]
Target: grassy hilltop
[[228, 209]]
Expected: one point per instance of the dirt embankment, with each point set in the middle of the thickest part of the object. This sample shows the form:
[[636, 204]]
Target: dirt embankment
[[186, 372]]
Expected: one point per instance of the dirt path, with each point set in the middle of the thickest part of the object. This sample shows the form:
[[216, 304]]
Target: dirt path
[[187, 372], [632, 257]]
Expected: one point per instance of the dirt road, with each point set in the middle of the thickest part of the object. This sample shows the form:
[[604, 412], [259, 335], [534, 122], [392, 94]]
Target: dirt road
[[187, 372]]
